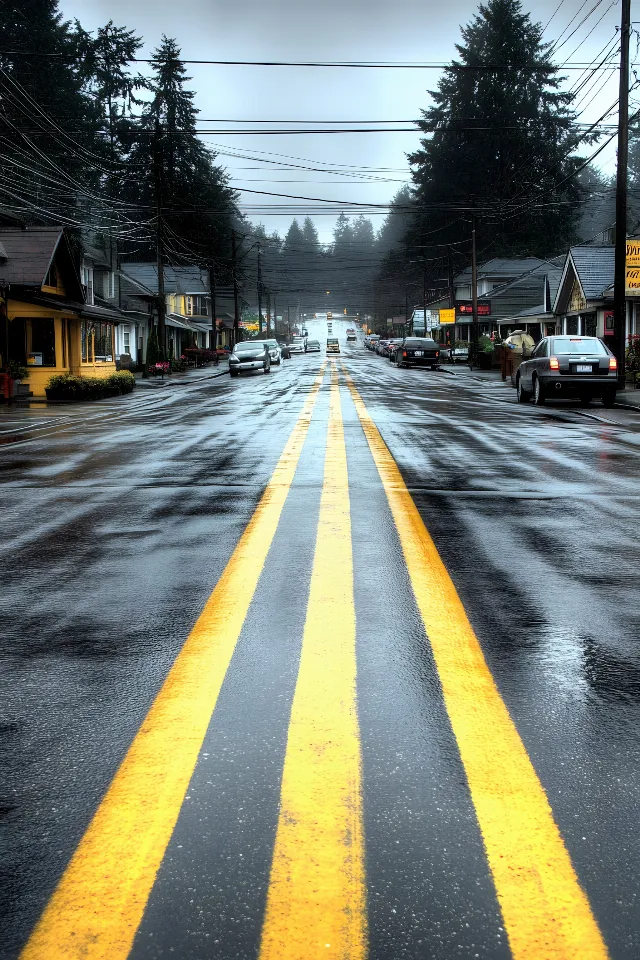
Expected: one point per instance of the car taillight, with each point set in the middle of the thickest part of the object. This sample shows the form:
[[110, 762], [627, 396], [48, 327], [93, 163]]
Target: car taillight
[[554, 363], [404, 353], [613, 363], [437, 353]]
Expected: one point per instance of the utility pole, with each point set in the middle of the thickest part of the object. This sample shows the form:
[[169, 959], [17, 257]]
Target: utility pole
[[259, 294], [289, 319], [236, 312], [620, 270], [162, 306], [214, 326], [268, 313], [275, 317], [424, 296], [474, 294]]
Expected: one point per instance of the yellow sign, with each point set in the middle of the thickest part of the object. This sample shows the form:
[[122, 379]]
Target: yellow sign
[[632, 281], [633, 253], [447, 316]]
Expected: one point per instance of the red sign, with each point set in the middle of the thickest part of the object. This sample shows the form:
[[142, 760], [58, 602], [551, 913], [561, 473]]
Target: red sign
[[484, 309]]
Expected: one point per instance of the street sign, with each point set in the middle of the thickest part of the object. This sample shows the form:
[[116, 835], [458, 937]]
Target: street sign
[[447, 316], [466, 306], [633, 253], [632, 281], [429, 321]]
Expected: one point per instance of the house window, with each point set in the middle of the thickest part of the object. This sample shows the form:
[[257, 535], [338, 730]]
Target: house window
[[51, 279], [109, 285], [41, 340], [196, 306], [87, 281], [97, 342], [126, 341]]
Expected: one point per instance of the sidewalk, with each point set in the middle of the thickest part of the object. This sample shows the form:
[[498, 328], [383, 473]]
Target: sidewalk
[[192, 375], [625, 398]]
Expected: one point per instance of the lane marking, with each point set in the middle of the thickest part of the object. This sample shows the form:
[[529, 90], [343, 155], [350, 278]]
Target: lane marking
[[316, 904], [98, 905], [546, 913]]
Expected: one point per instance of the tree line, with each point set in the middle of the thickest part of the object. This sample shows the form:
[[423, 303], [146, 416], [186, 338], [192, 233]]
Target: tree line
[[89, 141]]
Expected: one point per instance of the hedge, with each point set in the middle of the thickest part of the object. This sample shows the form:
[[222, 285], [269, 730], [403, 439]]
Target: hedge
[[66, 387]]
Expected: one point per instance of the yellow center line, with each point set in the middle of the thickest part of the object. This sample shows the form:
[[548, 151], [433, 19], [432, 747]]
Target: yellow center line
[[546, 913], [316, 904], [97, 907]]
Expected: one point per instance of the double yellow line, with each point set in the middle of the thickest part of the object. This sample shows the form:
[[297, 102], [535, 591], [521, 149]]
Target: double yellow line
[[97, 907]]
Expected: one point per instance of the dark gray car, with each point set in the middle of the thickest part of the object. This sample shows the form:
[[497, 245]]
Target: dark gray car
[[563, 367], [250, 355]]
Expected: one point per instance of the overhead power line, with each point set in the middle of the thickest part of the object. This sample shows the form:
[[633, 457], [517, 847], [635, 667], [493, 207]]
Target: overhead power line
[[347, 64]]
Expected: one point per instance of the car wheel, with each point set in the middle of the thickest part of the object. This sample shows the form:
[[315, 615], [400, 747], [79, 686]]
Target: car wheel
[[523, 395], [233, 373], [609, 398], [585, 400], [433, 366], [538, 393]]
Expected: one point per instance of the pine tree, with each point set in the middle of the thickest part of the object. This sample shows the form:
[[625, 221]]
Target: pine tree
[[48, 86], [198, 205], [498, 141]]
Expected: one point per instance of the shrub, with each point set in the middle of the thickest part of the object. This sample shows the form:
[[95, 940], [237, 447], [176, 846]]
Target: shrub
[[67, 387], [17, 371]]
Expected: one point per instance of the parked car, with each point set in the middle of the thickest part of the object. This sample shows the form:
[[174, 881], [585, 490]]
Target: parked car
[[418, 352], [380, 347], [333, 345], [297, 345], [312, 346], [274, 351], [460, 355], [250, 355], [566, 366], [390, 349], [371, 341], [351, 334]]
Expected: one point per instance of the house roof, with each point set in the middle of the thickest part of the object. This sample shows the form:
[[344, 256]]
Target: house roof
[[27, 254], [502, 268], [179, 280], [526, 291], [594, 266]]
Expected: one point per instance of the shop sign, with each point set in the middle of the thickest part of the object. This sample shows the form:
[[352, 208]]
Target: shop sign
[[633, 253], [632, 281], [466, 307], [447, 316]]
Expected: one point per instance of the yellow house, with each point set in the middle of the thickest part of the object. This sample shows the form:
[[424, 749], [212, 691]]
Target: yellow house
[[47, 324]]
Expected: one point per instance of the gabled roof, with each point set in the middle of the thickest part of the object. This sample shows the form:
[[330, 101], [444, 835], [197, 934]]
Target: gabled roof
[[594, 269], [526, 291], [27, 256]]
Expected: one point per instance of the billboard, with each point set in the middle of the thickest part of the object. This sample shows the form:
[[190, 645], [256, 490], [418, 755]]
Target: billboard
[[466, 307]]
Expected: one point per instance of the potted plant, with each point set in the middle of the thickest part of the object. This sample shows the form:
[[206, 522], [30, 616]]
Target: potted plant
[[18, 373]]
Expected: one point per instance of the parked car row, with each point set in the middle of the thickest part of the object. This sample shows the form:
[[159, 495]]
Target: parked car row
[[407, 351], [262, 354]]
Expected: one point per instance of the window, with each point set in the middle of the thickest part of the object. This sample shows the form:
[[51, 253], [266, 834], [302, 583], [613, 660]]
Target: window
[[41, 340], [540, 350], [109, 285], [51, 279], [196, 306], [577, 345], [126, 341], [97, 341], [87, 281]]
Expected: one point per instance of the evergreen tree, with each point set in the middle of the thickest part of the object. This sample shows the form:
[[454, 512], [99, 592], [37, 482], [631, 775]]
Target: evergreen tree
[[47, 87], [498, 140], [198, 206]]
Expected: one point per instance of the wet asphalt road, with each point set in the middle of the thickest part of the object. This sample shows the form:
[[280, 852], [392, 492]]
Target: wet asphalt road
[[119, 520]]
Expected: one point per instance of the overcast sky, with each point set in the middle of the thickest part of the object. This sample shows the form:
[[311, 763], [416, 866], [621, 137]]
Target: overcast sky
[[362, 30]]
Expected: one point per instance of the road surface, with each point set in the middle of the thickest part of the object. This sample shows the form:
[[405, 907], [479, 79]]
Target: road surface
[[338, 662]]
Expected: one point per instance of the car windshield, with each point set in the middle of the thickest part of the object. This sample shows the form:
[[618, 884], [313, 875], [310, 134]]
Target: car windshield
[[419, 344], [244, 347], [331, 341], [272, 343], [578, 345], [313, 343]]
